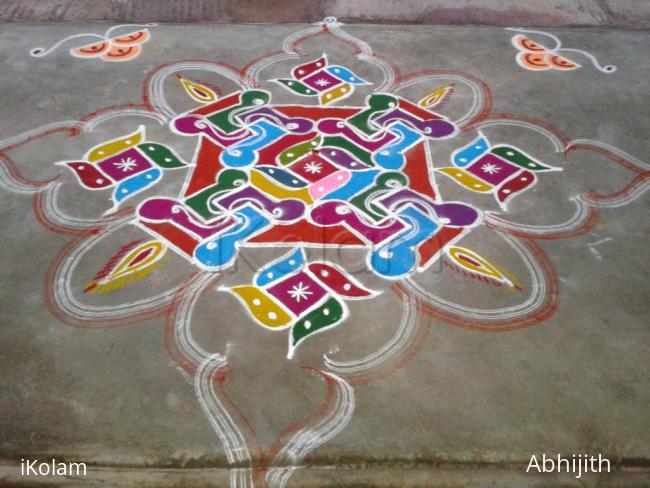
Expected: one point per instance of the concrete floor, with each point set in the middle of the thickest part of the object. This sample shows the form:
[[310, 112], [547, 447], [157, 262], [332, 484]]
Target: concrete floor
[[465, 404]]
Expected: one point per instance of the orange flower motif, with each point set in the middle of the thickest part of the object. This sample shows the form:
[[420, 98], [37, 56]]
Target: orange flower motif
[[537, 57], [108, 48]]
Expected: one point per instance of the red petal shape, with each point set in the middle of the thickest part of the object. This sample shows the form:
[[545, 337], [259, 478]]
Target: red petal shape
[[299, 72], [89, 176], [515, 185], [338, 282]]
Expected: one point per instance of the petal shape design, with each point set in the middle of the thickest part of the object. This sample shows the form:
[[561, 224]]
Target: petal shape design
[[296, 151], [93, 50], [533, 61], [280, 268], [161, 155], [463, 178], [471, 152], [337, 93], [130, 264], [88, 175], [523, 43], [133, 38], [520, 158], [514, 186], [121, 53], [475, 263], [136, 184], [298, 87], [339, 281], [117, 145], [304, 70], [344, 74], [264, 309], [331, 313]]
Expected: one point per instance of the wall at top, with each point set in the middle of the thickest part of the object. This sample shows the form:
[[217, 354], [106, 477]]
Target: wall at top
[[551, 13]]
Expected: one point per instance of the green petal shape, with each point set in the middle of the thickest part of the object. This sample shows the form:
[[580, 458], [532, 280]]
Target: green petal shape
[[297, 87], [292, 153], [344, 143], [161, 155], [519, 158], [327, 315]]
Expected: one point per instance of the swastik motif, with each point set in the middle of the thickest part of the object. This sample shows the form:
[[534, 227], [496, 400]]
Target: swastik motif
[[310, 169], [319, 79], [129, 165], [305, 297], [502, 170]]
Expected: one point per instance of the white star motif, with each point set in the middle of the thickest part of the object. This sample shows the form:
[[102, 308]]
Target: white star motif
[[490, 168], [313, 168], [322, 82], [300, 292], [126, 164]]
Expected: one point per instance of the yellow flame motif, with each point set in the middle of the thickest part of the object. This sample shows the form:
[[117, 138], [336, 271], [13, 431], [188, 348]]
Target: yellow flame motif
[[129, 265], [196, 91], [470, 261], [437, 96]]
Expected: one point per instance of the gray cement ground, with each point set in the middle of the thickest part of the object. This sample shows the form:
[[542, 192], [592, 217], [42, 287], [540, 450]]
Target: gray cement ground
[[468, 410]]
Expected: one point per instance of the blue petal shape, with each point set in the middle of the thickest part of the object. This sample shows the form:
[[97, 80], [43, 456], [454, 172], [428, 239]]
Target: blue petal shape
[[280, 268], [282, 176], [346, 75], [359, 181], [474, 150], [136, 183]]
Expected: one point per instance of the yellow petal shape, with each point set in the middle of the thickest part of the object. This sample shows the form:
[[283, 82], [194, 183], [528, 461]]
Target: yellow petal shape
[[465, 179], [335, 93], [262, 307], [260, 181], [115, 146]]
